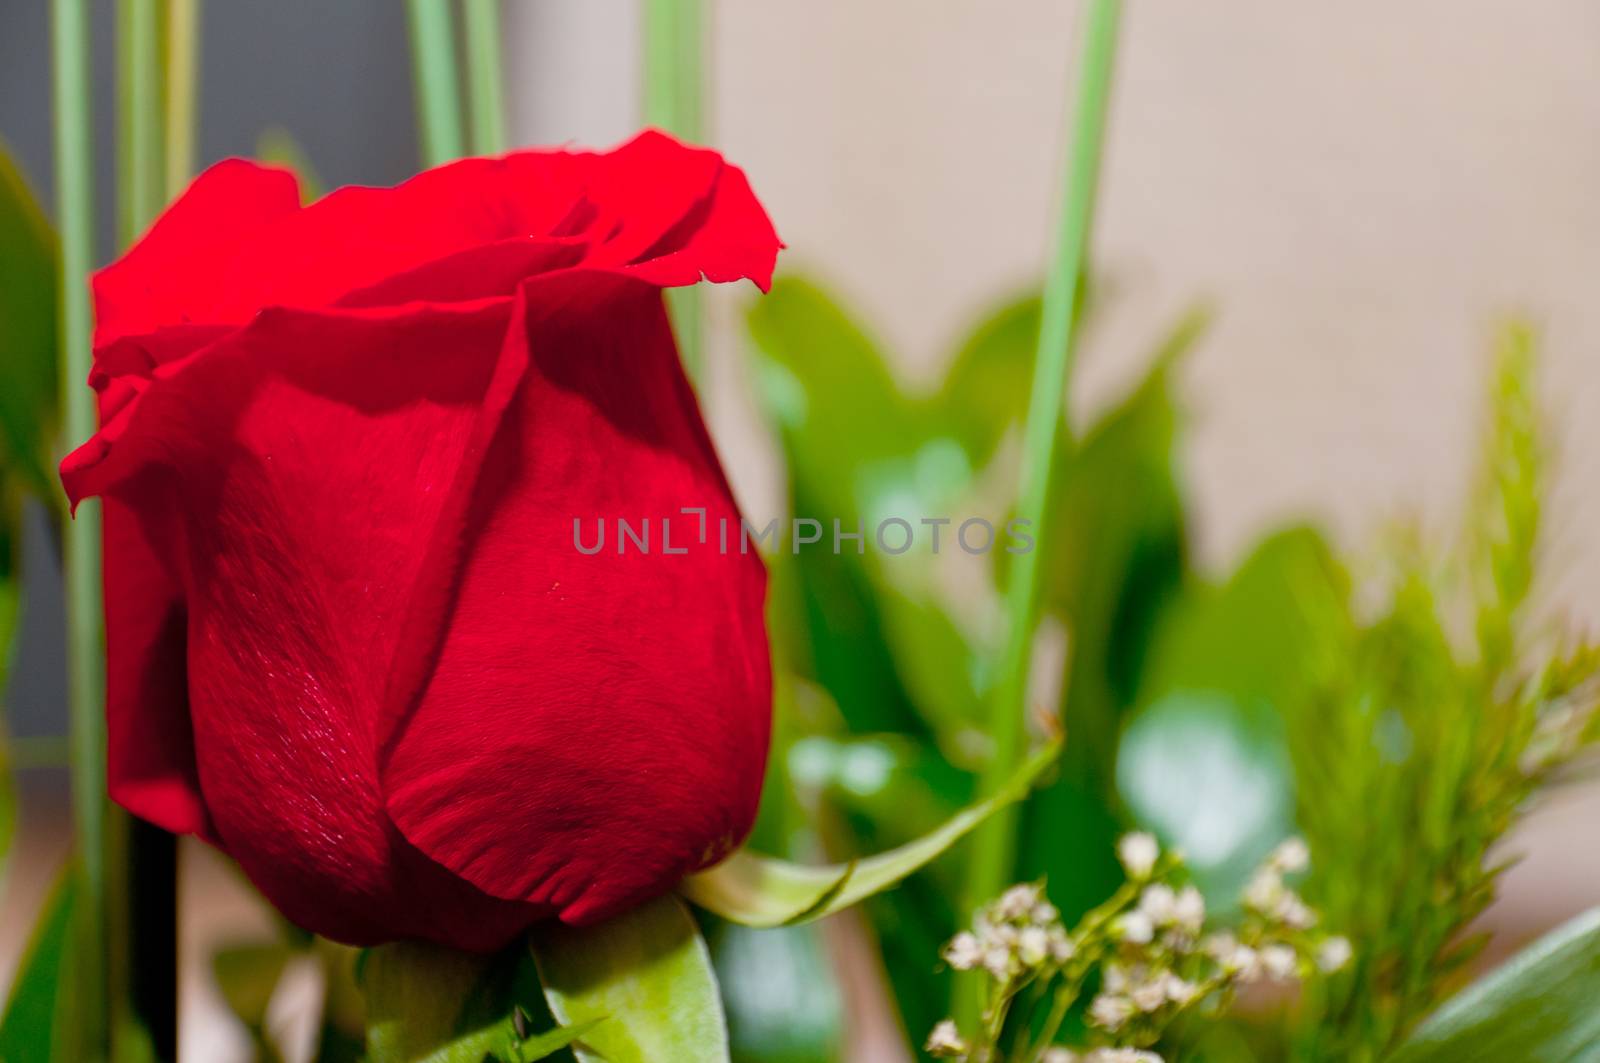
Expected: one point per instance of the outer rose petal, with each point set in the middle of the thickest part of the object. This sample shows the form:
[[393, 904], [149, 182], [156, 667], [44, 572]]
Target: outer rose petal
[[155, 283], [594, 727], [150, 745], [238, 241], [313, 453]]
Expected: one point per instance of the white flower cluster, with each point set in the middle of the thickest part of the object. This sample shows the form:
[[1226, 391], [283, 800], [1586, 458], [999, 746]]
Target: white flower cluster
[[1149, 945], [1017, 935]]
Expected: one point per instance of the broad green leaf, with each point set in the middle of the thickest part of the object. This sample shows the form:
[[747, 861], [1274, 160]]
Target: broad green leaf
[[34, 1029], [1204, 761], [1538, 1006], [415, 996], [783, 1002], [247, 976], [859, 452], [28, 254], [986, 388], [1115, 561], [759, 891], [1212, 778], [644, 977], [498, 1041]]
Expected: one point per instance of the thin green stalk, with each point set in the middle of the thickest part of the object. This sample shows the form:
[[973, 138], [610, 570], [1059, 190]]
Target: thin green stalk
[[140, 187], [485, 87], [141, 860], [674, 93], [183, 61], [74, 132], [433, 69], [993, 848]]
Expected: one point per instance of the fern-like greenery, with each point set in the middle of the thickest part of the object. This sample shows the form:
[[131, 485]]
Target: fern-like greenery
[[1417, 747]]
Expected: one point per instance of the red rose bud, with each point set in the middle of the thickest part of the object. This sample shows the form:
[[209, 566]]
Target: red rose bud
[[342, 448]]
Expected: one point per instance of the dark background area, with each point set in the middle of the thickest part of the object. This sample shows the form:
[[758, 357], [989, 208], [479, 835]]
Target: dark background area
[[343, 93]]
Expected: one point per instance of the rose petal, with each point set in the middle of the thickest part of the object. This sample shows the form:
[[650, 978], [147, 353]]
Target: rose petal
[[592, 727], [309, 456]]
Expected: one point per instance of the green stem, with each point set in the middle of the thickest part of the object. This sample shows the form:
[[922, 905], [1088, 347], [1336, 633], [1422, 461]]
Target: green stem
[[674, 93], [433, 68], [140, 187], [485, 86], [183, 61], [993, 852], [74, 132], [140, 866]]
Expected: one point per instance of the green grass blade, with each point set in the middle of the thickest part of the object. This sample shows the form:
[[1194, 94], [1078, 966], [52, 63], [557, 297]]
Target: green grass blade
[[762, 891], [644, 978], [1540, 1005], [485, 84], [74, 130], [182, 70], [674, 93], [140, 188], [993, 846], [433, 64]]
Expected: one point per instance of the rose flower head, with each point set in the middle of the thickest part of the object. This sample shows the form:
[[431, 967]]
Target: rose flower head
[[342, 450]]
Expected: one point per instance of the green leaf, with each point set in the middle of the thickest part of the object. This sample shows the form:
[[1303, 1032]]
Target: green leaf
[[850, 441], [1204, 761], [1539, 1005], [28, 257], [1115, 560], [783, 1003], [34, 1029], [498, 1041], [247, 976], [647, 974], [762, 891], [415, 997], [986, 389]]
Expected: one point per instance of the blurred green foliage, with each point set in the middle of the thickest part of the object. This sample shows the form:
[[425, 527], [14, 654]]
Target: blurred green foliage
[[1434, 714], [1402, 739]]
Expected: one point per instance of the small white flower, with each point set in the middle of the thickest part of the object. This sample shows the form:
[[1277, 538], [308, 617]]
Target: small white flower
[[1290, 857], [1279, 961], [1138, 852], [963, 952], [1017, 902], [1059, 1055], [1061, 946], [1135, 928], [1110, 1012], [946, 1041], [1180, 991], [1033, 946], [1159, 903], [1150, 995], [1232, 957], [1045, 913], [1294, 913], [1189, 910], [998, 961], [1220, 946], [1122, 1055], [1264, 890], [1115, 980], [1333, 954]]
